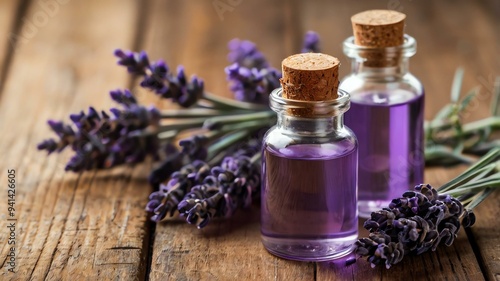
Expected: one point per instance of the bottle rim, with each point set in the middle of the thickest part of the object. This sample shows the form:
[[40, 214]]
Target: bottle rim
[[407, 49], [316, 109]]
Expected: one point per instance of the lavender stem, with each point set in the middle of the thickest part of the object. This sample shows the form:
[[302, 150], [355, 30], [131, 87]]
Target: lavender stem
[[215, 122], [222, 102]]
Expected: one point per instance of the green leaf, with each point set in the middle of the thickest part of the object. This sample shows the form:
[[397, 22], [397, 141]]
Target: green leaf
[[468, 98], [489, 158], [445, 112], [479, 198], [457, 85], [495, 100], [442, 154], [491, 181], [465, 178]]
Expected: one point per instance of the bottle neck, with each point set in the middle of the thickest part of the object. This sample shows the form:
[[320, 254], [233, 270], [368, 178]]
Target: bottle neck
[[381, 63], [310, 126], [365, 69], [309, 118]]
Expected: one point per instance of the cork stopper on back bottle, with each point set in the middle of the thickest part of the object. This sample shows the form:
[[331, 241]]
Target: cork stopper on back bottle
[[379, 29], [309, 77]]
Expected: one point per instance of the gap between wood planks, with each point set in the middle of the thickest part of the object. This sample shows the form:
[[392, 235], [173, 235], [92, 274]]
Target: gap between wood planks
[[477, 252]]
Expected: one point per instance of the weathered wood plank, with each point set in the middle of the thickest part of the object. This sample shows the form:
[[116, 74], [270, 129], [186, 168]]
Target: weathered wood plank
[[8, 11], [486, 236], [81, 227], [225, 250], [193, 34]]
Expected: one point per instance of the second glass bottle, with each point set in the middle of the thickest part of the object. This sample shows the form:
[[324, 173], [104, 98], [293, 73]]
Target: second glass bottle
[[387, 108]]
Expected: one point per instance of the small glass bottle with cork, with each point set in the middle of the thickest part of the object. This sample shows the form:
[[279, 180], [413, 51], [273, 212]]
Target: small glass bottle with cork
[[387, 108], [309, 168]]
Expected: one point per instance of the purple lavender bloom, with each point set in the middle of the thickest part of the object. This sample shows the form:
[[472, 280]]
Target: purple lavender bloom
[[201, 192], [252, 85], [417, 222], [50, 145], [125, 97], [102, 141], [135, 63], [311, 43], [157, 78], [172, 163], [195, 147], [250, 77], [228, 187], [246, 54], [166, 200]]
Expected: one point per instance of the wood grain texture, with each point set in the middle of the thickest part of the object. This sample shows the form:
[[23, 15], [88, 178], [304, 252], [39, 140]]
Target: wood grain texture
[[8, 14], [486, 236], [93, 226], [224, 250], [70, 226]]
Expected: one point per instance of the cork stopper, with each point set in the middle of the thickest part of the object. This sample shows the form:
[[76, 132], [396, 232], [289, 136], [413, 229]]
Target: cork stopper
[[310, 77], [378, 28]]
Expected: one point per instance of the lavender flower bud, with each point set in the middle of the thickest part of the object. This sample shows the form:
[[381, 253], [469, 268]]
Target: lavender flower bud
[[195, 147], [246, 54], [50, 145], [311, 42]]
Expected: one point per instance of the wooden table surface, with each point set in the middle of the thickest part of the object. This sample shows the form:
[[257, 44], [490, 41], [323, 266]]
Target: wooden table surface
[[56, 59]]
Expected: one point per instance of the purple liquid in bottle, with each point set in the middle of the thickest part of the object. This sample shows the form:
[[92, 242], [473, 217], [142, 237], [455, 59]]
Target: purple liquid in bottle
[[389, 127], [309, 199]]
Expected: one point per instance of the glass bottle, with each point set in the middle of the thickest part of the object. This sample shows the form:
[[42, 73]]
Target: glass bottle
[[309, 180], [387, 116]]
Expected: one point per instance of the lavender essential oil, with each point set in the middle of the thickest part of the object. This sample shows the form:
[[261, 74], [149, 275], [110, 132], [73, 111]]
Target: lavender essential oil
[[387, 108], [309, 171]]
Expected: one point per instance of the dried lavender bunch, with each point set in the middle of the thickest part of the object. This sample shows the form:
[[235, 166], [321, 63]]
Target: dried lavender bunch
[[103, 140], [129, 134], [157, 77], [231, 186], [450, 141], [165, 200], [424, 218], [201, 192]]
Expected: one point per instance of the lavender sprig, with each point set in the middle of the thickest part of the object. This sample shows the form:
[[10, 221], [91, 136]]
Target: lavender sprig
[[311, 42], [246, 54], [231, 186], [165, 200], [425, 218], [102, 140], [250, 77], [450, 141], [201, 192], [252, 85], [158, 78]]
